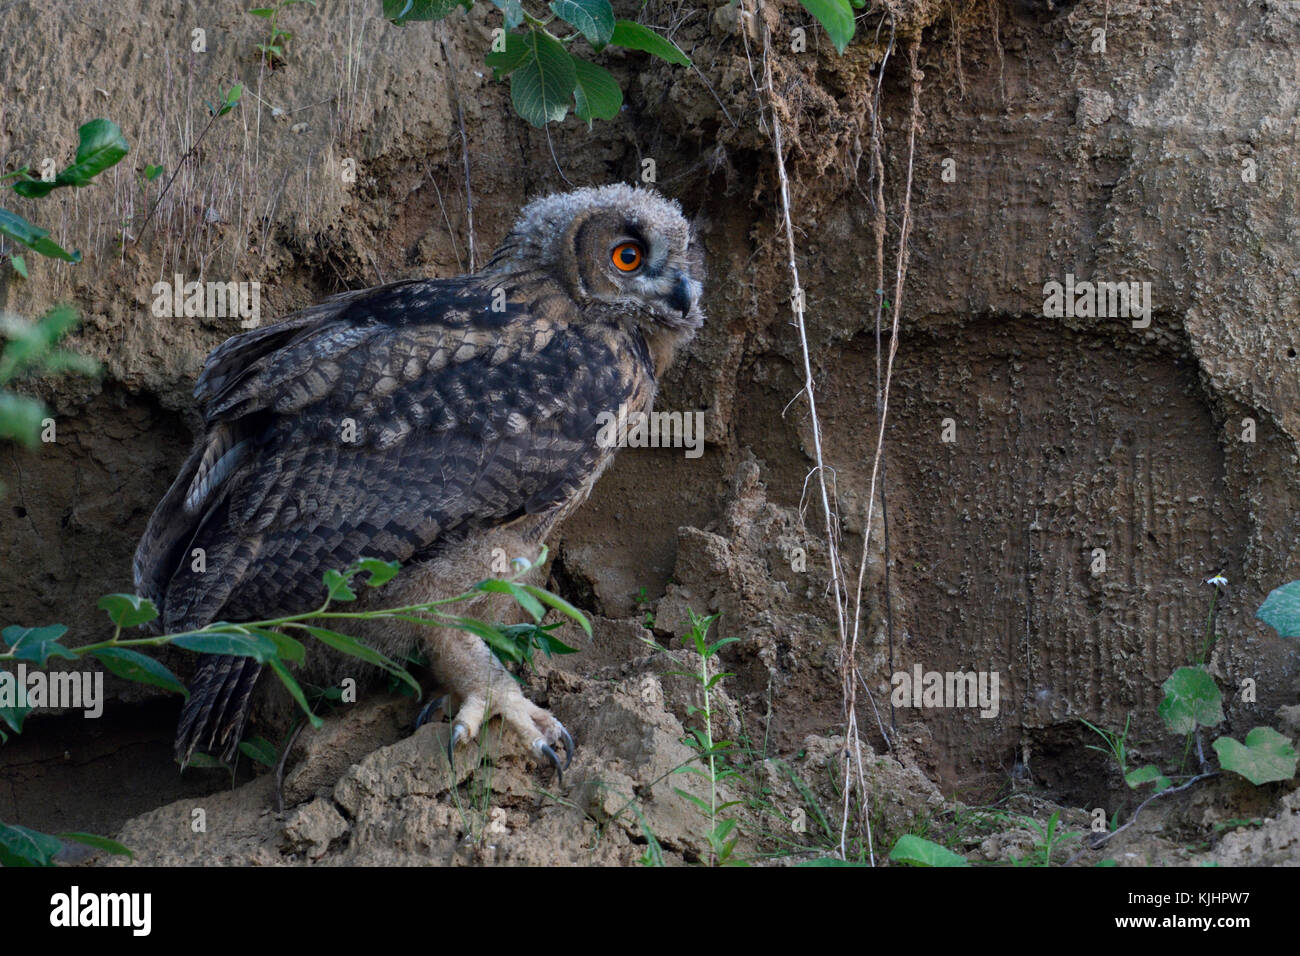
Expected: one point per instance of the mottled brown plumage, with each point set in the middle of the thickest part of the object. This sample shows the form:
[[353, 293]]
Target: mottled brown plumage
[[423, 421]]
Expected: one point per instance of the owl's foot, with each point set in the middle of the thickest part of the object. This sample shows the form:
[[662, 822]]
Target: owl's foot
[[536, 725]]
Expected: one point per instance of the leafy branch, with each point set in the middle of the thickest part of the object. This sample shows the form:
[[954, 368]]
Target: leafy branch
[[100, 145], [265, 641], [30, 347], [546, 80]]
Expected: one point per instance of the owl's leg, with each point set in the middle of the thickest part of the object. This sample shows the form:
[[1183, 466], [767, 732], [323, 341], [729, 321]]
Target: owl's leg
[[481, 688]]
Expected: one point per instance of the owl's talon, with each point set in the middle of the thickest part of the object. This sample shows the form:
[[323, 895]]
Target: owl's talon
[[569, 747], [458, 733], [428, 710], [543, 749]]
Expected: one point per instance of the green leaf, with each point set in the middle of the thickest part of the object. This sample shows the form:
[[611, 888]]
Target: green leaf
[[128, 610], [14, 717], [232, 645], [633, 36], [596, 94], [561, 605], [337, 586], [506, 61], [493, 636], [916, 851], [295, 691], [20, 846], [353, 647], [35, 238], [1281, 610], [19, 264], [1265, 757], [140, 668], [512, 12], [37, 644], [98, 842], [1147, 774], [522, 597], [542, 87], [286, 647], [236, 92], [152, 172], [101, 145], [594, 19], [260, 750], [1191, 699], [21, 417], [402, 12], [262, 12], [836, 16], [701, 804], [381, 572], [552, 645]]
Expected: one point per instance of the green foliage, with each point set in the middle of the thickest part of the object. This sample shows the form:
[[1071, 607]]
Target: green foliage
[[20, 846], [266, 642], [1117, 747], [30, 348], [710, 753], [273, 48], [1265, 757], [1192, 700], [546, 79], [1050, 838], [917, 851], [1281, 610], [100, 145], [836, 18]]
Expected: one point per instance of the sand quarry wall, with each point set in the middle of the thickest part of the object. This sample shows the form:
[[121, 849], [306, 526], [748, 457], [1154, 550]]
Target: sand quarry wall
[[1166, 155]]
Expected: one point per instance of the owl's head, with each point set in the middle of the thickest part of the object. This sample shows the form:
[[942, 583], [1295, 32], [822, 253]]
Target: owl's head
[[618, 248]]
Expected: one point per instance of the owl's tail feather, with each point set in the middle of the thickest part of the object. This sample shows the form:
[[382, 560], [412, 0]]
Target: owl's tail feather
[[212, 720]]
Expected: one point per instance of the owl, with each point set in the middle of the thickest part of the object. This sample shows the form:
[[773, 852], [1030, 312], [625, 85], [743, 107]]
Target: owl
[[434, 422]]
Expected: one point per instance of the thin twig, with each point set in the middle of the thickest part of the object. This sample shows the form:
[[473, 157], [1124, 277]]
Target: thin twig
[[896, 307], [176, 172], [1098, 844], [851, 739], [464, 142]]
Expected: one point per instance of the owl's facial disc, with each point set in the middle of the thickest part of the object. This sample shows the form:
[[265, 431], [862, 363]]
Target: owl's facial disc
[[617, 249], [649, 271]]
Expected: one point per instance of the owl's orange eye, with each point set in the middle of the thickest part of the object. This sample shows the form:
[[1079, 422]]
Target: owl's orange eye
[[627, 256]]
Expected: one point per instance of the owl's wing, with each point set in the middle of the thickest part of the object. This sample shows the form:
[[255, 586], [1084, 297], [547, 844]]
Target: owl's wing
[[378, 423]]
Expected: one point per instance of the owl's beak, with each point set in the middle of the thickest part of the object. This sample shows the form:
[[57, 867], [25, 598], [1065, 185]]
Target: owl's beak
[[685, 295]]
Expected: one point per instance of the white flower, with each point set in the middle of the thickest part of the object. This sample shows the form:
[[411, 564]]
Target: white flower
[[1219, 581]]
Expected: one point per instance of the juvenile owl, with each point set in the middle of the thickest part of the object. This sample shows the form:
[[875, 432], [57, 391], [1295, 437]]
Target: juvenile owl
[[428, 421]]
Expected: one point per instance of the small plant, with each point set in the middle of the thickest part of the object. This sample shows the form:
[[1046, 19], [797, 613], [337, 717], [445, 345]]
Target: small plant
[[1049, 838], [228, 101], [100, 145], [32, 348], [710, 754], [643, 603], [273, 49], [1117, 747]]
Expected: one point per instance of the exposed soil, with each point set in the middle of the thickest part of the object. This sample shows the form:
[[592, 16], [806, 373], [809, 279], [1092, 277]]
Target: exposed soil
[[1169, 158]]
